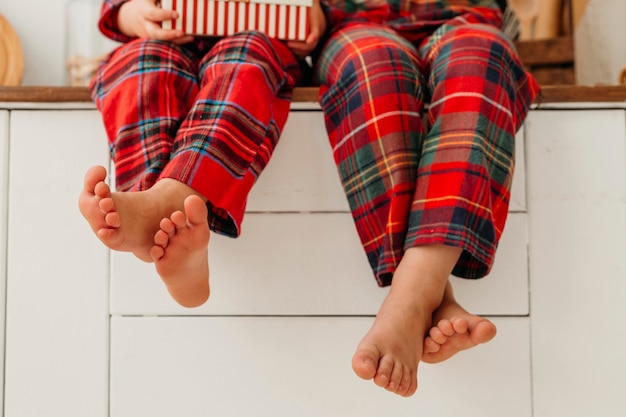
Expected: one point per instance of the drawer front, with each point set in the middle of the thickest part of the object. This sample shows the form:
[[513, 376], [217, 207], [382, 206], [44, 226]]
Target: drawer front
[[577, 197], [299, 252], [308, 264], [57, 290], [4, 194], [4, 190], [302, 176], [286, 366]]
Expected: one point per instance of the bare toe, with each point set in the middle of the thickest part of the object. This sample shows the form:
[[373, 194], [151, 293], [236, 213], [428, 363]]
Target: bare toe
[[430, 346], [456, 330], [107, 205], [405, 385], [179, 220], [446, 327], [113, 220], [180, 253], [91, 196], [161, 238], [365, 363], [156, 252], [396, 378], [93, 176], [168, 227], [383, 374], [437, 335], [102, 189], [460, 325], [483, 331]]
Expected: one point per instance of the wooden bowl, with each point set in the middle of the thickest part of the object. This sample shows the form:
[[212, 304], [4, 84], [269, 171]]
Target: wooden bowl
[[11, 55]]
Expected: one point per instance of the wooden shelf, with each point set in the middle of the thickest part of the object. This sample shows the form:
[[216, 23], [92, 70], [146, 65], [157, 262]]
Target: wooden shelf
[[45, 94], [549, 94], [551, 61]]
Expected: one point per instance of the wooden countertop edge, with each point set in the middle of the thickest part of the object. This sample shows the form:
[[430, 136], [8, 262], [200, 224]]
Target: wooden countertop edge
[[81, 94], [549, 94]]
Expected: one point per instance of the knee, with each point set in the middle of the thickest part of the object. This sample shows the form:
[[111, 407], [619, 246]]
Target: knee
[[363, 49], [248, 46], [249, 52], [478, 36], [243, 41], [476, 49], [142, 54], [150, 59]]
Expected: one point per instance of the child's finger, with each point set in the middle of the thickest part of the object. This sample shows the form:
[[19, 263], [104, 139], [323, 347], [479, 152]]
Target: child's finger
[[183, 40], [155, 31], [169, 35], [299, 48], [313, 38], [157, 14]]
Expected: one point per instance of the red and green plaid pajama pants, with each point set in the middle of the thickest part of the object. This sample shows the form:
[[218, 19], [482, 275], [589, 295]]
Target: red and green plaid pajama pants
[[422, 121], [206, 114]]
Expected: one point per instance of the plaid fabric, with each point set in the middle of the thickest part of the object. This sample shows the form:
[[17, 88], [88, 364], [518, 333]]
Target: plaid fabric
[[413, 19], [413, 180], [192, 113], [108, 20]]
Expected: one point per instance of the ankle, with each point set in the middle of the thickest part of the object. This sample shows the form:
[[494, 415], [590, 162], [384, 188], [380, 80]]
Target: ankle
[[173, 192], [171, 186], [423, 275]]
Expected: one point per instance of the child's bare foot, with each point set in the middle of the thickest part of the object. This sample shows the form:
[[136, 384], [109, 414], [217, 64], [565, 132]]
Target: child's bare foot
[[180, 253], [127, 221], [94, 190], [456, 330], [390, 352]]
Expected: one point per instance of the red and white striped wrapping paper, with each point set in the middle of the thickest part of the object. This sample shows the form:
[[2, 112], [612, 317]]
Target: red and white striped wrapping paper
[[282, 19]]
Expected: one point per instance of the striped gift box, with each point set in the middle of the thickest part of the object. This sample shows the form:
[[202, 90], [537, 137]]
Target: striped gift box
[[282, 19]]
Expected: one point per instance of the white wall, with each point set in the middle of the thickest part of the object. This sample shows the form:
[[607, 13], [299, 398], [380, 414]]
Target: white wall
[[41, 26], [600, 50]]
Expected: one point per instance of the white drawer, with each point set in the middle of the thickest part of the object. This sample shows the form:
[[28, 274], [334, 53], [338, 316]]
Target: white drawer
[[299, 253], [577, 197], [4, 191], [302, 176], [57, 293], [286, 366], [308, 264]]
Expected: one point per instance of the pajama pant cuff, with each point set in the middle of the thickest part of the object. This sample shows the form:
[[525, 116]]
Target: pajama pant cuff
[[476, 259], [226, 195]]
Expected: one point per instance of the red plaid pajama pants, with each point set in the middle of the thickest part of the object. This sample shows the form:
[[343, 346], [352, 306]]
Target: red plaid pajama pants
[[412, 180], [208, 114]]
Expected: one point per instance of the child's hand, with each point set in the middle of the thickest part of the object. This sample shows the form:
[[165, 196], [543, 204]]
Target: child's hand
[[318, 26], [143, 18]]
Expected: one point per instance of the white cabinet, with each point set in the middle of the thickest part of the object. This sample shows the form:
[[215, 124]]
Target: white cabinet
[[299, 253], [90, 333], [313, 264], [299, 366], [577, 209], [57, 290], [290, 299], [301, 175], [4, 187]]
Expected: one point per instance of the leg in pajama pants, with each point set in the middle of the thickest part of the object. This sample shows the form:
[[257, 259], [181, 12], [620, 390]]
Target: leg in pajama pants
[[188, 139], [429, 195]]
